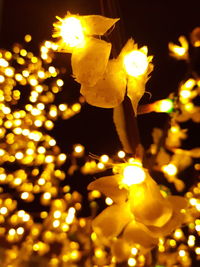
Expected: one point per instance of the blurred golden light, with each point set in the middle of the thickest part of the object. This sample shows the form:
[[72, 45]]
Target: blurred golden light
[[109, 201], [132, 262], [170, 169], [165, 105], [121, 154]]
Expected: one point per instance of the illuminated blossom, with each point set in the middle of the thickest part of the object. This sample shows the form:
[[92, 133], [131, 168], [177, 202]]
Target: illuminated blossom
[[140, 213], [104, 82], [90, 55], [128, 72]]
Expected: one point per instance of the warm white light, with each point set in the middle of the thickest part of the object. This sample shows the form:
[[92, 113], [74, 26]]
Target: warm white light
[[72, 32], [179, 50], [185, 93], [133, 174], [136, 63], [109, 201], [20, 230], [104, 158], [70, 216], [132, 262], [170, 169], [165, 105], [121, 154]]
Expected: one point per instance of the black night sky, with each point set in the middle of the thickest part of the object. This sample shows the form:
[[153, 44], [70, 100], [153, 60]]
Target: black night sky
[[154, 23]]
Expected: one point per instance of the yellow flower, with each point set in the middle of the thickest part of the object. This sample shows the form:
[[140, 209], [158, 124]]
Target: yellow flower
[[129, 71], [140, 214], [103, 82], [90, 55]]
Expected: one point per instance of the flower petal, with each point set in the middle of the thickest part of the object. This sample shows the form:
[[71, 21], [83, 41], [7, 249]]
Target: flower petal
[[96, 25], [89, 62], [121, 250], [111, 221], [176, 220], [136, 89], [128, 47], [136, 84], [109, 186], [110, 89], [148, 205], [138, 233]]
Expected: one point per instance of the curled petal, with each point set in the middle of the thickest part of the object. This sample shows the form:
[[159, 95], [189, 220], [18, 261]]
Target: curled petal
[[111, 221], [138, 233], [110, 89], [96, 25], [178, 203], [148, 205], [109, 186], [89, 62]]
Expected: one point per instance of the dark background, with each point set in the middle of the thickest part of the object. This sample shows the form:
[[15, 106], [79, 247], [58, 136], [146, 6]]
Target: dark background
[[151, 23]]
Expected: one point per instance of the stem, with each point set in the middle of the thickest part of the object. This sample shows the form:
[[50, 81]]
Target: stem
[[131, 126], [111, 8]]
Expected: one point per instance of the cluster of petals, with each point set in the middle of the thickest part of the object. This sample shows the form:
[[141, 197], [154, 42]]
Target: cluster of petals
[[139, 215], [104, 81]]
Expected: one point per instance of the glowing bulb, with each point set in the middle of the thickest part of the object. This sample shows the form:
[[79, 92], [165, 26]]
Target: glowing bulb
[[12, 231], [26, 217], [132, 262], [56, 223], [104, 158], [57, 214], [3, 210], [165, 105], [133, 174], [60, 82], [181, 253], [136, 63], [134, 251], [197, 250], [185, 93], [189, 83], [121, 154], [71, 31], [70, 216], [100, 166], [178, 234], [24, 195], [47, 195], [109, 201], [180, 51], [78, 148], [20, 230], [170, 169]]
